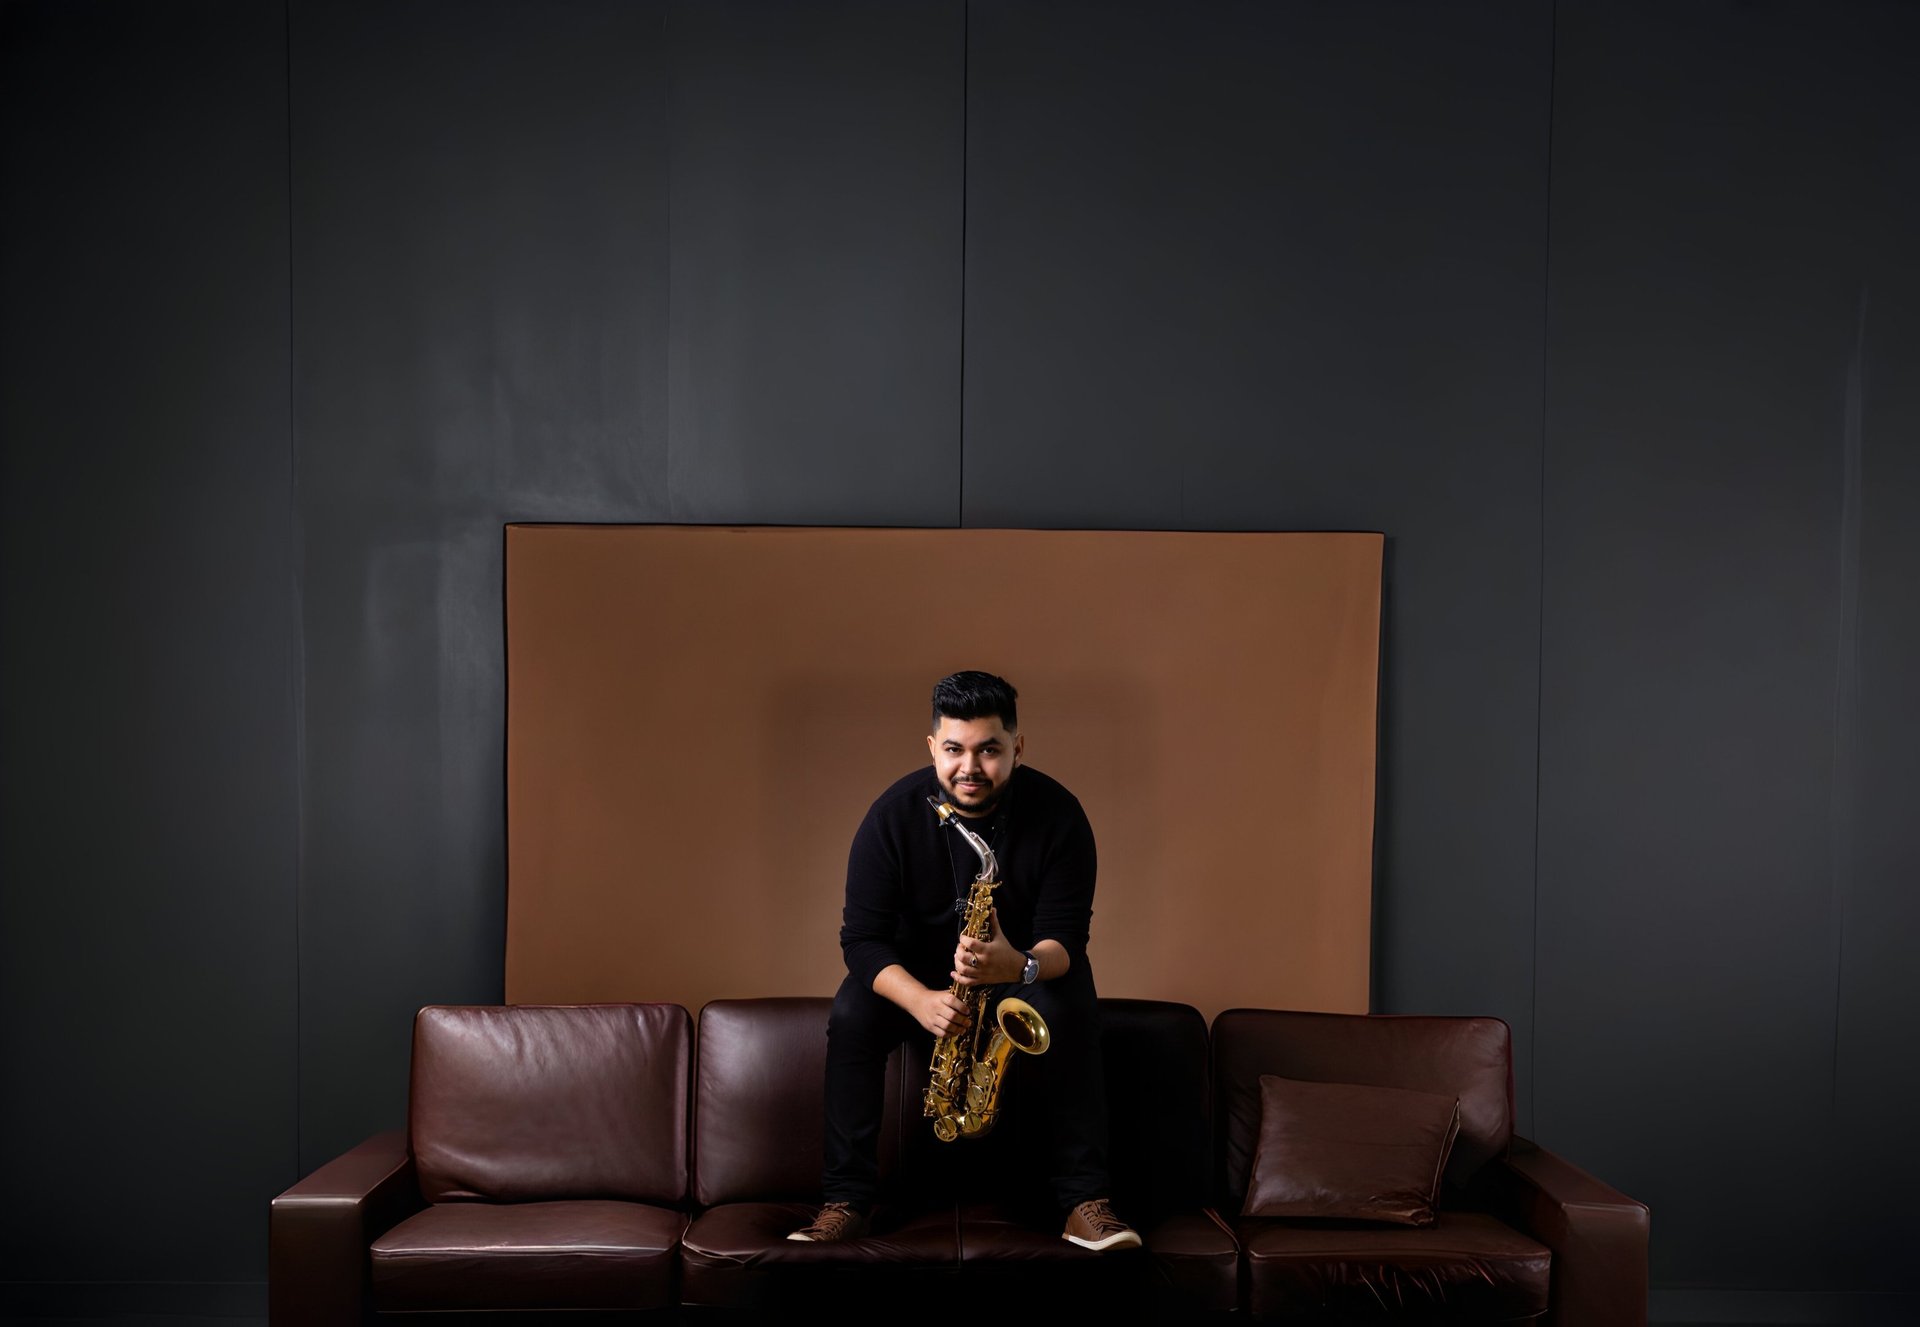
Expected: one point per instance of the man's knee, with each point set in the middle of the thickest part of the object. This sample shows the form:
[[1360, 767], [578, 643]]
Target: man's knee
[[861, 1018], [1069, 1003]]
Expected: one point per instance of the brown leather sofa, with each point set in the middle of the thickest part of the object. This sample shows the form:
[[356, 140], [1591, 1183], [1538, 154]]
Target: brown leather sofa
[[565, 1159]]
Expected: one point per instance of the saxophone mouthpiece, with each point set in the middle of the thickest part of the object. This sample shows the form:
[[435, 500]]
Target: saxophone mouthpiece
[[944, 809]]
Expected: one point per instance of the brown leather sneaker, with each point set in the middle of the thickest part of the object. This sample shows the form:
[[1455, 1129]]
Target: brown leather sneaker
[[836, 1222], [1092, 1225]]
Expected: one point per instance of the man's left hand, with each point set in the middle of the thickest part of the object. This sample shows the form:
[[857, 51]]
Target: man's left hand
[[987, 962]]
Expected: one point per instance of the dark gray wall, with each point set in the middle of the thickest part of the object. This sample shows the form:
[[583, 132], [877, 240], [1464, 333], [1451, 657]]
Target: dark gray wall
[[148, 838], [1728, 779], [1603, 314]]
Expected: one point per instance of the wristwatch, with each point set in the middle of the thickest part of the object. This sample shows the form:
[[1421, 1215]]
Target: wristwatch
[[1031, 972]]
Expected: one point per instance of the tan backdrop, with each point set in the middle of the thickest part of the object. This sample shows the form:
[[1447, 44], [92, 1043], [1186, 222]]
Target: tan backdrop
[[698, 717]]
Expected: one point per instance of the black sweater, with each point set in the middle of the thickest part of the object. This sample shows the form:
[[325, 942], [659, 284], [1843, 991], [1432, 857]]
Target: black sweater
[[906, 870]]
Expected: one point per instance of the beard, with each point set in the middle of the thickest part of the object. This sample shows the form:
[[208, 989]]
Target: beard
[[976, 803]]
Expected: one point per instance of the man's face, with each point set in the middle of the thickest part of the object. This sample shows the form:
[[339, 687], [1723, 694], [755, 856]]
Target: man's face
[[973, 759]]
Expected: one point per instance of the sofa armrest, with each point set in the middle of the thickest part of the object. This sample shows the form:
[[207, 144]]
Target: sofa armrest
[[318, 1232], [1598, 1235]]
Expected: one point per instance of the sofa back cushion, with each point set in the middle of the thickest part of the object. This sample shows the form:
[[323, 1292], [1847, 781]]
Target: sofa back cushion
[[1467, 1058], [759, 1102], [1159, 1106], [530, 1103]]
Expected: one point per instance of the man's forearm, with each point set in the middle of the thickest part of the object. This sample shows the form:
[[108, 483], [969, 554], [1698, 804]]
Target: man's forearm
[[1054, 959], [898, 985]]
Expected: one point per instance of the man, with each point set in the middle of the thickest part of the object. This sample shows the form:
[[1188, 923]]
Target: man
[[908, 879]]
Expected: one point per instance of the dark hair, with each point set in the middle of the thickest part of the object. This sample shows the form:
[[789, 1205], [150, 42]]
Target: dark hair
[[975, 695]]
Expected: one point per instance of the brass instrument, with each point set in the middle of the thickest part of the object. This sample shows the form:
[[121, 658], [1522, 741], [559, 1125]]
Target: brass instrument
[[963, 1087]]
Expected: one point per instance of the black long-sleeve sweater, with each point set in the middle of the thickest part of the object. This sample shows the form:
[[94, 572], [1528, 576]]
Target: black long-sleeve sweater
[[906, 871]]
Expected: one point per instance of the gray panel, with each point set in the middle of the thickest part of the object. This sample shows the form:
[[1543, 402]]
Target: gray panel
[[479, 285], [1266, 267], [147, 863], [1876, 1074], [816, 261], [1877, 745], [1721, 647]]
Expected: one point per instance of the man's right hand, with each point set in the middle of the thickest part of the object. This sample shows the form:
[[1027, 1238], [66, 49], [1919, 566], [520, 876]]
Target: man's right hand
[[940, 1012]]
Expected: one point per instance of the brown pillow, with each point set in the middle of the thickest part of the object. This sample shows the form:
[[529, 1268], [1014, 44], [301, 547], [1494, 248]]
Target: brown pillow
[[1348, 1151]]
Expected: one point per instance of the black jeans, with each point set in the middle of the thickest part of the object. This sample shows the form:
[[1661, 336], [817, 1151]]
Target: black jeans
[[1065, 1087]]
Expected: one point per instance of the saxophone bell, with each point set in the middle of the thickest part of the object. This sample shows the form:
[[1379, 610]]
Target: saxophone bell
[[1022, 1026]]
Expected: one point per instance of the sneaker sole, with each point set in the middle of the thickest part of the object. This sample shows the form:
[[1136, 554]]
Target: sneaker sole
[[805, 1238], [1126, 1240]]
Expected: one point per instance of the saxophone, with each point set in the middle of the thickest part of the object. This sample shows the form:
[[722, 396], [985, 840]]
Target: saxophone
[[963, 1084]]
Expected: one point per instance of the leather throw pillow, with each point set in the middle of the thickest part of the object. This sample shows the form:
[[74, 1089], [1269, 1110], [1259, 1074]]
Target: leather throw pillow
[[1349, 1151]]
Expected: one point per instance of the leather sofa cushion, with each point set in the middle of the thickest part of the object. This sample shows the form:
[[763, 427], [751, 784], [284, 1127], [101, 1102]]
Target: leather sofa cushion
[[758, 1232], [1467, 1058], [1188, 1263], [1348, 1151], [1466, 1266], [759, 1104], [525, 1103], [738, 1254], [1196, 1262], [596, 1254]]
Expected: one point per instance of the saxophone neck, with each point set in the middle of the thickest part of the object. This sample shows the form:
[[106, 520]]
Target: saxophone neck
[[989, 865]]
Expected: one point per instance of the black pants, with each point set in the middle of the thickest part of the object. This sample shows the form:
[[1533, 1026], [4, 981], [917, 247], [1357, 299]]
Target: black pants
[[1065, 1087]]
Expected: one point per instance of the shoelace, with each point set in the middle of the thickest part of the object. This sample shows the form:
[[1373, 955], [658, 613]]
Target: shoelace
[[832, 1217], [1103, 1221]]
